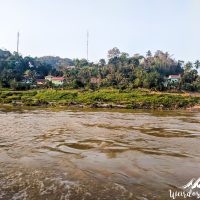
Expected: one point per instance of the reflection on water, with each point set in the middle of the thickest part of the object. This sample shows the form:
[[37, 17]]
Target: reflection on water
[[97, 155]]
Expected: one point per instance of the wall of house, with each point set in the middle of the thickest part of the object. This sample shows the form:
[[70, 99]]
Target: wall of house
[[57, 82], [174, 79]]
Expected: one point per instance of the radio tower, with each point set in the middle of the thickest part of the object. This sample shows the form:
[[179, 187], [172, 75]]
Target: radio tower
[[87, 44], [18, 43]]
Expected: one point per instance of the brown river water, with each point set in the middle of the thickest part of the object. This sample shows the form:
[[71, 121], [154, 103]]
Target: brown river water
[[86, 155]]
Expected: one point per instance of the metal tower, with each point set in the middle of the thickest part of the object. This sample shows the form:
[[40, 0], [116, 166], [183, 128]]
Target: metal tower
[[18, 42], [87, 44]]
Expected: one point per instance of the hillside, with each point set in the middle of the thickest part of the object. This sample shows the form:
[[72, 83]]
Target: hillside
[[56, 61]]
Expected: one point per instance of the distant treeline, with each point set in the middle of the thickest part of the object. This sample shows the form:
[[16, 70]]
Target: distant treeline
[[121, 71]]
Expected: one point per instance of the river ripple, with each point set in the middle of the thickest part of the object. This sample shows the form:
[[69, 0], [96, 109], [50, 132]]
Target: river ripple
[[97, 155]]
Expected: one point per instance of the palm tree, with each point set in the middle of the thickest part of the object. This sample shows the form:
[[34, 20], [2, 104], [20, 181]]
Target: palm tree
[[148, 54], [188, 66], [197, 64]]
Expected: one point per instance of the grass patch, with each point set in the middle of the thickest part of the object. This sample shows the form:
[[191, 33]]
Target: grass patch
[[139, 98]]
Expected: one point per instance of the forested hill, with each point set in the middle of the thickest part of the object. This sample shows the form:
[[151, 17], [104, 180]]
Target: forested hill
[[56, 61]]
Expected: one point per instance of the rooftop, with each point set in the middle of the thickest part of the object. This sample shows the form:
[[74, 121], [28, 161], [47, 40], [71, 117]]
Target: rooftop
[[57, 78], [175, 76]]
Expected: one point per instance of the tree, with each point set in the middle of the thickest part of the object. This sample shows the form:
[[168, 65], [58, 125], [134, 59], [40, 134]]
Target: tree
[[83, 62], [114, 52], [153, 80], [188, 67], [140, 75], [30, 74], [76, 62], [77, 84], [148, 54], [6, 76], [102, 62], [134, 62], [124, 58], [197, 64], [190, 76]]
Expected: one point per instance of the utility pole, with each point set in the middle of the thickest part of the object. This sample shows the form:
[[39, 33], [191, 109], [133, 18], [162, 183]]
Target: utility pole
[[18, 43], [87, 44]]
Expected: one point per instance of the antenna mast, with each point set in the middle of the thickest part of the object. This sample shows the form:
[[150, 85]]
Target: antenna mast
[[18, 43], [87, 44]]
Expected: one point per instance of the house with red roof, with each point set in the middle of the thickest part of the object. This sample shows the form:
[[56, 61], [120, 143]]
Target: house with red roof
[[174, 78], [57, 80]]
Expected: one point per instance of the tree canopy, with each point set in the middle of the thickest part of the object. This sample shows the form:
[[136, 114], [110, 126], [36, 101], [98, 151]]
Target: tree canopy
[[120, 70]]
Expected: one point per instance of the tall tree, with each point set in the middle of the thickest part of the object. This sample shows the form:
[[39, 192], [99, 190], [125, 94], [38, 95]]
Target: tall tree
[[148, 54], [188, 67], [102, 62], [114, 52]]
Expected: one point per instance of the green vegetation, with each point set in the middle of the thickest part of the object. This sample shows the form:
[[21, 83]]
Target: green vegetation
[[123, 81], [121, 71], [138, 99]]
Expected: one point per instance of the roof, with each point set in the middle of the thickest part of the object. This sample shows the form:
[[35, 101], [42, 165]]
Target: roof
[[175, 76], [57, 78]]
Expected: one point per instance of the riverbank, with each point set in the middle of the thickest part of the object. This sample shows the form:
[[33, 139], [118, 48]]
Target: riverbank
[[103, 98]]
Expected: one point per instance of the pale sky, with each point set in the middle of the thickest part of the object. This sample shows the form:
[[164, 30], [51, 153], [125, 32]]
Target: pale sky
[[58, 27]]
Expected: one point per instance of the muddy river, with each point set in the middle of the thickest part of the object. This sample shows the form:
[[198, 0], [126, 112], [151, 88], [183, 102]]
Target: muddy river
[[91, 155]]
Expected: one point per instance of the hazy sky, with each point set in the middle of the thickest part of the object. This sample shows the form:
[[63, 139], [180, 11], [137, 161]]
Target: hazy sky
[[58, 27]]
